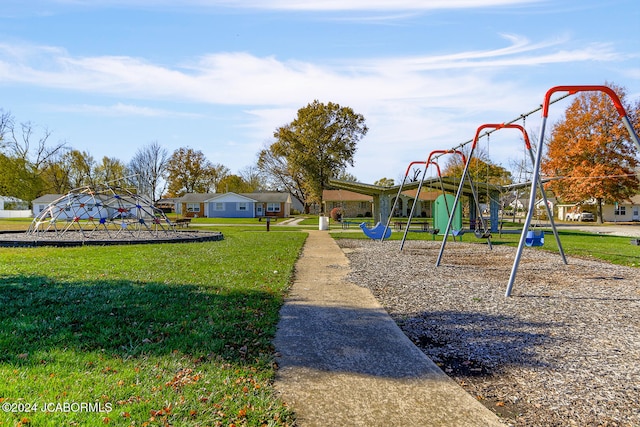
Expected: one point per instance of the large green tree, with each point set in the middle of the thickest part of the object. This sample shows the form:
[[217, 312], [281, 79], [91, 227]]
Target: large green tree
[[318, 145], [590, 152], [17, 179], [189, 171], [481, 169]]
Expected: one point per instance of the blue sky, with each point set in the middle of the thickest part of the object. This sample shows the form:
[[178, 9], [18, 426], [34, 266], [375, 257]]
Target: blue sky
[[219, 76]]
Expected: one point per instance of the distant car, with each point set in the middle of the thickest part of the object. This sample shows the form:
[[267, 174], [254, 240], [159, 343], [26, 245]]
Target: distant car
[[580, 216], [586, 216]]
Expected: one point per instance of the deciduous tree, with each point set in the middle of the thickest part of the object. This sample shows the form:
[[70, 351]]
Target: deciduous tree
[[280, 176], [111, 172], [591, 153], [481, 169], [149, 170], [385, 182], [189, 171], [318, 144], [233, 183]]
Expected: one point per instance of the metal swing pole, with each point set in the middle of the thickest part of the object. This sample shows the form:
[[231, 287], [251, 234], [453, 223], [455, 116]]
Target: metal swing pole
[[395, 202], [549, 213], [413, 207], [527, 144], [444, 193], [473, 192], [536, 169], [424, 174], [455, 203]]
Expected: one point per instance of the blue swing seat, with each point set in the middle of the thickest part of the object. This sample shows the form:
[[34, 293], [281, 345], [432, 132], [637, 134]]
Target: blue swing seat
[[375, 232], [534, 238]]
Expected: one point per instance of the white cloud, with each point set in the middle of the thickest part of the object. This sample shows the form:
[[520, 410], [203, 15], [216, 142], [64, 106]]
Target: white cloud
[[121, 109], [403, 98], [239, 78]]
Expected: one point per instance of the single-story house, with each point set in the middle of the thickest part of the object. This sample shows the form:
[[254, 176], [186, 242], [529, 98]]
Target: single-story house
[[353, 204], [233, 205], [12, 207], [622, 211], [87, 206], [625, 211]]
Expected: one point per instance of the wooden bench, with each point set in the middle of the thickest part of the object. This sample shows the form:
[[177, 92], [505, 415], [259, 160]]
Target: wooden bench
[[422, 224]]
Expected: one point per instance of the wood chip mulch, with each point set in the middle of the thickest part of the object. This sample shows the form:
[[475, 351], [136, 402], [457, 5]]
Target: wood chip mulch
[[563, 350]]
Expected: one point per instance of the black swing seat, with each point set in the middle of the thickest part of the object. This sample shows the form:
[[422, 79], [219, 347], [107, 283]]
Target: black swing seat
[[482, 234]]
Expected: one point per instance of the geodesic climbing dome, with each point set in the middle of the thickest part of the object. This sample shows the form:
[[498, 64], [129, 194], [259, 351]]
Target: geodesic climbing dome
[[116, 212]]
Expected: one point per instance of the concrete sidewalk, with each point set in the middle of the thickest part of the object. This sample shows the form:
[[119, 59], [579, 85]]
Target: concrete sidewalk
[[344, 362]]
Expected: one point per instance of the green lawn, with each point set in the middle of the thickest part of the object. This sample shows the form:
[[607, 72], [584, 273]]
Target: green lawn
[[167, 334]]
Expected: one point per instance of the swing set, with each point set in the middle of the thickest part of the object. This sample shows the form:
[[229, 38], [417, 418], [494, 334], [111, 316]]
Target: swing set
[[533, 237], [427, 163], [529, 237], [536, 181]]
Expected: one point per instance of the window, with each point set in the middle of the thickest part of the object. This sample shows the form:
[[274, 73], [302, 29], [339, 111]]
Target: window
[[218, 206], [273, 207], [193, 207], [364, 205], [620, 210], [242, 206]]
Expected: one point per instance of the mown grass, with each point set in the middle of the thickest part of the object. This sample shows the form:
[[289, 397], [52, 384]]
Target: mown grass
[[175, 334]]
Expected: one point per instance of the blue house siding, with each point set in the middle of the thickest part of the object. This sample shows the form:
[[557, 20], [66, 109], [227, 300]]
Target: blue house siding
[[230, 210]]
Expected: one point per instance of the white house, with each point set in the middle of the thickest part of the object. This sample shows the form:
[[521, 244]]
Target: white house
[[12, 207]]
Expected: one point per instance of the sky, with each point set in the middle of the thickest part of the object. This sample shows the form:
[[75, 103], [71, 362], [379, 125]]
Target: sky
[[220, 76]]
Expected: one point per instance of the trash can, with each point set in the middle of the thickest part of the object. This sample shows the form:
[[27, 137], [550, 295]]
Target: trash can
[[324, 223]]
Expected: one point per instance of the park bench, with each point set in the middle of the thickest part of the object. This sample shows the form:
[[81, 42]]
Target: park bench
[[183, 222]]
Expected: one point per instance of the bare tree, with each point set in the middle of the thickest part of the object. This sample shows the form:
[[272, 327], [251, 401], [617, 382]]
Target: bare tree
[[30, 145], [280, 175], [149, 169], [254, 178]]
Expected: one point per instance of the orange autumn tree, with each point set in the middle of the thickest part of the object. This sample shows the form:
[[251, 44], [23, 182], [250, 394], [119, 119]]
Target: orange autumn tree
[[591, 153]]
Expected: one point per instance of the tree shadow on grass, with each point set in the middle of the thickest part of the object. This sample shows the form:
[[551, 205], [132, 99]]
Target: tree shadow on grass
[[129, 319]]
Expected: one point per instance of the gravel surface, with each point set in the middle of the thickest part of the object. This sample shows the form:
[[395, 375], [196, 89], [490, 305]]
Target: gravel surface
[[563, 350]]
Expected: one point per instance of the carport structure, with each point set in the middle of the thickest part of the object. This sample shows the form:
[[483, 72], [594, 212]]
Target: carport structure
[[383, 196]]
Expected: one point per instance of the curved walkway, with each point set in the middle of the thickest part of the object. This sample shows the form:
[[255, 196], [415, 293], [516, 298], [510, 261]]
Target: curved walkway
[[343, 361]]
